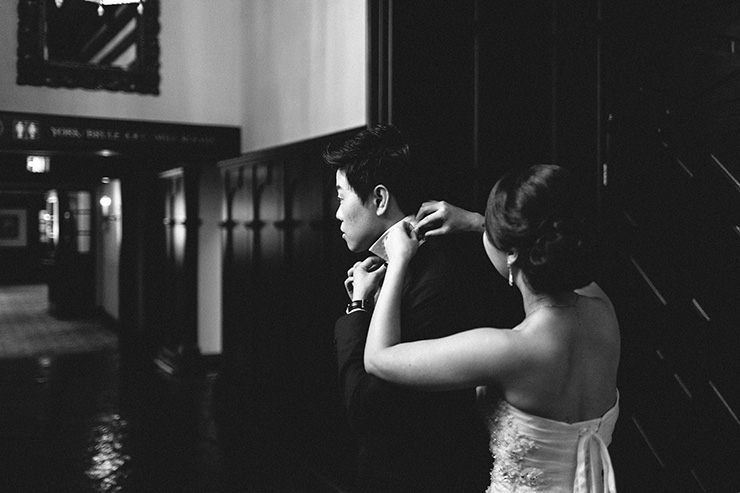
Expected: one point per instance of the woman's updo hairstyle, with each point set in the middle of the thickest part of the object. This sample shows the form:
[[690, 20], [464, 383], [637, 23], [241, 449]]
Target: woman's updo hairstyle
[[540, 213]]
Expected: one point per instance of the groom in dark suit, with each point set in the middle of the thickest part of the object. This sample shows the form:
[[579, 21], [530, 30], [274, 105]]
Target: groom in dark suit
[[410, 441]]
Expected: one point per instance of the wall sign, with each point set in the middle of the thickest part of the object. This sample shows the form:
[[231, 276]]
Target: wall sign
[[22, 131]]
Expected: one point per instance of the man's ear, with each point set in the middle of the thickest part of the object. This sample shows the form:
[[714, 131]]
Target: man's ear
[[381, 198]]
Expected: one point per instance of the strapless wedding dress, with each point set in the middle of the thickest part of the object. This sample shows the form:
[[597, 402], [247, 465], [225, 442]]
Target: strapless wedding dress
[[533, 454]]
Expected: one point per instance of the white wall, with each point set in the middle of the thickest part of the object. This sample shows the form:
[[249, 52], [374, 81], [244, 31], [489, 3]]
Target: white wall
[[283, 70], [196, 72], [303, 70]]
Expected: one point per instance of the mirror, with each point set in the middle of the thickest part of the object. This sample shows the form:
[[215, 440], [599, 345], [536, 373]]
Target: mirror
[[72, 46]]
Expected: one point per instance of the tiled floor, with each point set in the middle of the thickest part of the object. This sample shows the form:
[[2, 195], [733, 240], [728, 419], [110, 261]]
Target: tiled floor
[[78, 416], [28, 330]]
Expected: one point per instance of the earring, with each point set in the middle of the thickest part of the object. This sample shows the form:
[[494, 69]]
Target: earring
[[511, 276]]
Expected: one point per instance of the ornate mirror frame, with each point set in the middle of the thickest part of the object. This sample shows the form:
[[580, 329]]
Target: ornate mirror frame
[[35, 70]]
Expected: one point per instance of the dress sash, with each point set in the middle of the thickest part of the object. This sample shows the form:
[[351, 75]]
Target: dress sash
[[594, 473]]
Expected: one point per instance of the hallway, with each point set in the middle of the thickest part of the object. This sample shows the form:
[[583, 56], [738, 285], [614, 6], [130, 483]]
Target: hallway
[[76, 415]]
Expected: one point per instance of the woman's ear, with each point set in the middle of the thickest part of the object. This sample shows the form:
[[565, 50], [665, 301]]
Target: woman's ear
[[381, 199], [511, 257]]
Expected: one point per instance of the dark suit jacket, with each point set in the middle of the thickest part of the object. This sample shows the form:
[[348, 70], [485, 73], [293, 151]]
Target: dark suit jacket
[[410, 440]]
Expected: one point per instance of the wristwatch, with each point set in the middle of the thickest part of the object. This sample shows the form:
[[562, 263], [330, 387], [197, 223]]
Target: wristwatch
[[365, 305]]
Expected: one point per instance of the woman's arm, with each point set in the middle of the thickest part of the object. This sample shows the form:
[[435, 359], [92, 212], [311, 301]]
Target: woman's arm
[[385, 326], [467, 359]]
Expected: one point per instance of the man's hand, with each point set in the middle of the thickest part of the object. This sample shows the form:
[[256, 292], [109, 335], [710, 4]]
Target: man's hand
[[364, 278], [441, 218]]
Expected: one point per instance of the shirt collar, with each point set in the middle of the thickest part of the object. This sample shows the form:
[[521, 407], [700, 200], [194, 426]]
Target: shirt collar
[[378, 248]]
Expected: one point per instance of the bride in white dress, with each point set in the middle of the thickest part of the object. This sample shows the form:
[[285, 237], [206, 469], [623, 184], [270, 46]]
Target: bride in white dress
[[551, 402]]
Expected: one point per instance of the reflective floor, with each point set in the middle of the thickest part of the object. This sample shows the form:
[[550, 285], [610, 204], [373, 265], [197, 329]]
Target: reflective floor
[[95, 420]]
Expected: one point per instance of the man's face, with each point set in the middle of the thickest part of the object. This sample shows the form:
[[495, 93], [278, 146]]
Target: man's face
[[360, 226]]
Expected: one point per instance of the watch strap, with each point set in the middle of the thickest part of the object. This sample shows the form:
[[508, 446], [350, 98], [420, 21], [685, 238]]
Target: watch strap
[[353, 305]]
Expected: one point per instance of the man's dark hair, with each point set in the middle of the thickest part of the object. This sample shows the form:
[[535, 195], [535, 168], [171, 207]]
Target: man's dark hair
[[379, 155]]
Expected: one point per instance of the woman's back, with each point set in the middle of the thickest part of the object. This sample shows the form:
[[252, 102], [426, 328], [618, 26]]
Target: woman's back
[[571, 368], [551, 430]]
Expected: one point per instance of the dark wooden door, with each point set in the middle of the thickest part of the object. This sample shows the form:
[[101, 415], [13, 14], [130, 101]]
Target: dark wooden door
[[469, 82], [671, 81]]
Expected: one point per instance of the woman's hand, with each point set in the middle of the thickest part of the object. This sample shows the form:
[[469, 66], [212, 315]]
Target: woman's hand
[[441, 218], [401, 243], [364, 279]]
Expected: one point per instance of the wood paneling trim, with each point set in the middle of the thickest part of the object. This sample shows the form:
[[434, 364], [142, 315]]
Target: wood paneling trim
[[287, 151], [648, 441], [726, 173], [648, 281]]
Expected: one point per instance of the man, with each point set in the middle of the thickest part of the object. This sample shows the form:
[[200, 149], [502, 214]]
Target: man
[[408, 440]]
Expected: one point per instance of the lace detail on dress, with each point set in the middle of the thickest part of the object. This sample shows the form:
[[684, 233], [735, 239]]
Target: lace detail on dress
[[510, 448]]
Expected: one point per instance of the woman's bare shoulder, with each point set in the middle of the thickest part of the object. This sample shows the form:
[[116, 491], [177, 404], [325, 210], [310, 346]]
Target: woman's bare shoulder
[[594, 291]]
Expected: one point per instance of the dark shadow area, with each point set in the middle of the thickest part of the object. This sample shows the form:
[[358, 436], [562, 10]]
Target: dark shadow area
[[99, 419]]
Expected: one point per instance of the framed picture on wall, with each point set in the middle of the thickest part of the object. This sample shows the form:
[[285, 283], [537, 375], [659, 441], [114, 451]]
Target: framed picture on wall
[[13, 228]]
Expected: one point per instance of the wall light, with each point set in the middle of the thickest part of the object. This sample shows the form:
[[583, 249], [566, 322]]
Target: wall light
[[105, 203], [38, 164]]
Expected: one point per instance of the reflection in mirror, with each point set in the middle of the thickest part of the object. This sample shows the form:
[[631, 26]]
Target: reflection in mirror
[[79, 43], [76, 33]]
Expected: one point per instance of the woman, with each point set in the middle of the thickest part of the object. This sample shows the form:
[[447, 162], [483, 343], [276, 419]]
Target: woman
[[554, 375]]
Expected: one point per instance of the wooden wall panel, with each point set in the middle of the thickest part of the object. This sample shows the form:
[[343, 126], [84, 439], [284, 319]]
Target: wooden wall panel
[[284, 267]]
